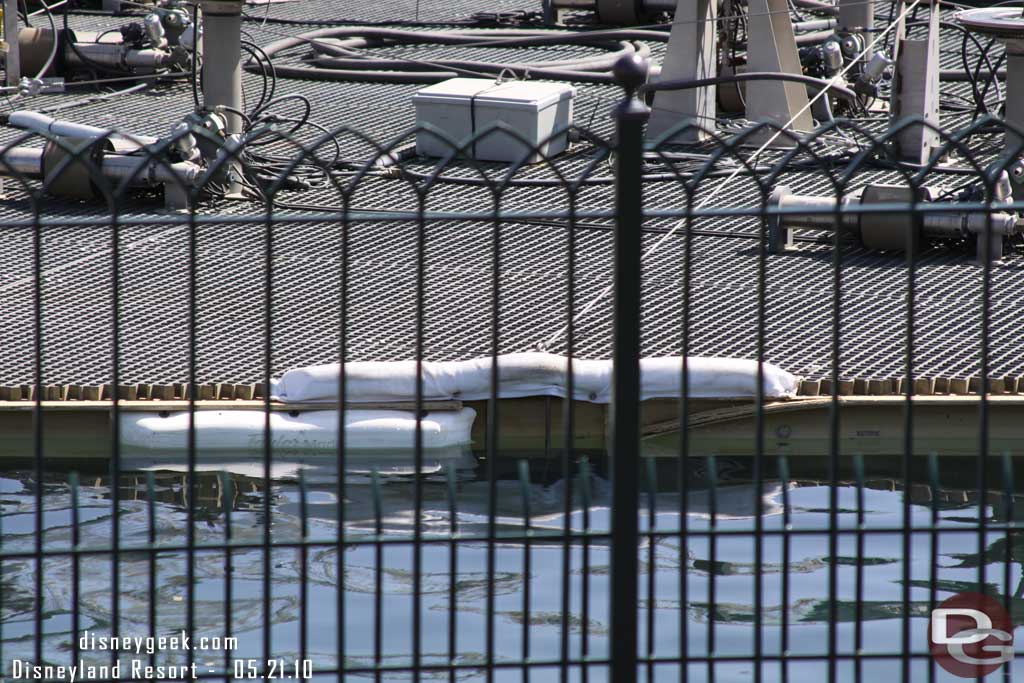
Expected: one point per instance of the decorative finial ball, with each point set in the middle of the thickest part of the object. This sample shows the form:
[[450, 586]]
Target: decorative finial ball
[[630, 71]]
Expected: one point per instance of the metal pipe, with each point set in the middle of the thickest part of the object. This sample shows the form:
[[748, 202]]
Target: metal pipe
[[814, 25], [116, 56], [49, 126], [145, 171], [33, 120], [28, 162], [815, 212], [25, 161], [819, 213], [958, 224]]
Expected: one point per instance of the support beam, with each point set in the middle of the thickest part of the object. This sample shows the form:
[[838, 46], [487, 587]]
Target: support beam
[[12, 53], [1014, 93], [691, 55], [915, 89], [772, 47]]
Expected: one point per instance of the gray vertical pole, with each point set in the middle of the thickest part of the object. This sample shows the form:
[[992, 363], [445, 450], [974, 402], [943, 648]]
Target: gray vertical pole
[[630, 72], [12, 60], [1015, 86], [222, 57], [222, 70], [1015, 98]]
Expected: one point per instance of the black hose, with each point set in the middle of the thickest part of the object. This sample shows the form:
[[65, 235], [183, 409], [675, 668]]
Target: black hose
[[816, 83], [963, 76], [347, 56], [327, 72], [352, 22], [266, 71]]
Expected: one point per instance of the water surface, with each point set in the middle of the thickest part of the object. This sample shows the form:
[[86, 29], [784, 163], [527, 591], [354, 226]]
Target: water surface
[[520, 586]]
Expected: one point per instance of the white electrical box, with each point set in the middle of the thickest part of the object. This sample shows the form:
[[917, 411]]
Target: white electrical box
[[460, 107]]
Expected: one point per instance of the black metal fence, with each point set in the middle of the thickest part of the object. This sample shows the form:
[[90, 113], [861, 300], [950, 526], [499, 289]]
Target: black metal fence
[[559, 562]]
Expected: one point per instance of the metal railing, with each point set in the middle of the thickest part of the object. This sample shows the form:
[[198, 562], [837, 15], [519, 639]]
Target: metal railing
[[286, 566]]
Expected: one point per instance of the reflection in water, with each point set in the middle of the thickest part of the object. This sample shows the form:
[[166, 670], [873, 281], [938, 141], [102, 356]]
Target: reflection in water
[[229, 496]]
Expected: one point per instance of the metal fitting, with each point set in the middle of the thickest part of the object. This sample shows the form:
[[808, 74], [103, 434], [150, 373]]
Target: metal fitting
[[876, 67], [155, 30], [832, 57]]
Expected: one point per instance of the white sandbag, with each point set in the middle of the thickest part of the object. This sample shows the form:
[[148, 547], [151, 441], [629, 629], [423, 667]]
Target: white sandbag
[[529, 374], [313, 430]]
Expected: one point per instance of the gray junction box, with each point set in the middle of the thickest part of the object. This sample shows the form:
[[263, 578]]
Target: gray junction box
[[538, 111]]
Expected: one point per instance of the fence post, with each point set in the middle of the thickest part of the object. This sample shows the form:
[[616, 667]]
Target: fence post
[[630, 114]]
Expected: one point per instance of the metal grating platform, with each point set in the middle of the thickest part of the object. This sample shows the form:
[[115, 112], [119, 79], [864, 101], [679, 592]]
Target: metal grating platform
[[153, 321]]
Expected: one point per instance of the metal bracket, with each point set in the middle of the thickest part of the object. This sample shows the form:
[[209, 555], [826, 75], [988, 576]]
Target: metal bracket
[[780, 236], [691, 55], [915, 89], [772, 47], [177, 198], [995, 252]]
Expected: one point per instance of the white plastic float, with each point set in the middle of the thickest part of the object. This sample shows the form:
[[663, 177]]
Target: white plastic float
[[519, 375]]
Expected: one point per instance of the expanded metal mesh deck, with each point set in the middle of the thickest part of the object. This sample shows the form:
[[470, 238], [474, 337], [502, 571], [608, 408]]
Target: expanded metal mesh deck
[[460, 258]]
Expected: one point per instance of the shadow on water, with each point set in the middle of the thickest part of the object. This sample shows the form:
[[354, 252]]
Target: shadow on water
[[229, 494]]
